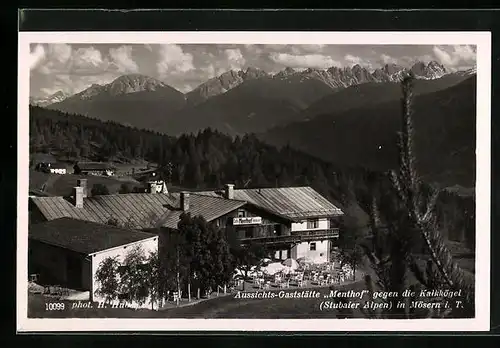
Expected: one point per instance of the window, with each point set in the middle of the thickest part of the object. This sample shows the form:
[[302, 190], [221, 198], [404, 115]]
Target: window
[[333, 223], [242, 213], [312, 246], [278, 230], [249, 233], [312, 224], [241, 233]]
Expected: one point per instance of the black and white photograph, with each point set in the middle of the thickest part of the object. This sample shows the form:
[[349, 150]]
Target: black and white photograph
[[254, 176]]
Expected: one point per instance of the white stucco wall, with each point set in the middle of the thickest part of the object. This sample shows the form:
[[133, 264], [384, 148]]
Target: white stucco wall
[[58, 171], [320, 255], [148, 245], [302, 226]]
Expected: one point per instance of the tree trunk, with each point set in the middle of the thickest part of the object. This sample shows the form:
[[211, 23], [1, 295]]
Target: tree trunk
[[178, 278]]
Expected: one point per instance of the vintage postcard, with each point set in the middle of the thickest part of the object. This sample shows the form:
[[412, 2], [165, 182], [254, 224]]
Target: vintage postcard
[[254, 181]]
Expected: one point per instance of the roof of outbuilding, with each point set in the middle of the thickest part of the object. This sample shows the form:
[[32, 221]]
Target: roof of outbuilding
[[95, 165], [84, 237], [57, 166], [290, 202]]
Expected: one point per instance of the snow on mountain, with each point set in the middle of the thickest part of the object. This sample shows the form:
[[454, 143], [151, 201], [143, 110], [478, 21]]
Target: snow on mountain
[[53, 98]]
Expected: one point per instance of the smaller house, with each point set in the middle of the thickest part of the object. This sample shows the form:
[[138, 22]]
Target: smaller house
[[147, 175], [152, 181], [68, 252], [39, 157], [52, 168], [94, 168]]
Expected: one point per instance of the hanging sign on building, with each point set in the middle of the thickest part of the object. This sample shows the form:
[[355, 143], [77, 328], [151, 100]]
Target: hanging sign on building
[[247, 220]]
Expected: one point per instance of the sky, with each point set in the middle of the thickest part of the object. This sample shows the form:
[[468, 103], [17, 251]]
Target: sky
[[71, 68]]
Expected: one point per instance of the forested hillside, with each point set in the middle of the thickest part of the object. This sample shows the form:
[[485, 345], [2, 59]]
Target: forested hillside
[[210, 159]]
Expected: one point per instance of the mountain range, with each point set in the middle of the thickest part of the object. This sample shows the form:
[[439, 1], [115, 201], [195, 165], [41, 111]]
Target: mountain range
[[444, 123], [235, 102], [134, 100], [344, 115]]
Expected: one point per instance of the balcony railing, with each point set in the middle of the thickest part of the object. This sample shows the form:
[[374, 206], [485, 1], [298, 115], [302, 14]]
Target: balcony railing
[[296, 237]]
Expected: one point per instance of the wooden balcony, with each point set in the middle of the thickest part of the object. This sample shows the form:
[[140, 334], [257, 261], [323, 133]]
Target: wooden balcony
[[296, 237]]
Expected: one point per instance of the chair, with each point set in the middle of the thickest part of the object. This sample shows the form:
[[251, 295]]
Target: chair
[[277, 278], [285, 284]]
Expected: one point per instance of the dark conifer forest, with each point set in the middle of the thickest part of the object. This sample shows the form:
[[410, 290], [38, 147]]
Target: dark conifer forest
[[210, 159]]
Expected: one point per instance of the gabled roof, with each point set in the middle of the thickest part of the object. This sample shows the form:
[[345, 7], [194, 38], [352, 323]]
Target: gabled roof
[[210, 208], [57, 166], [146, 175], [94, 166], [291, 202], [83, 236], [39, 193], [136, 210]]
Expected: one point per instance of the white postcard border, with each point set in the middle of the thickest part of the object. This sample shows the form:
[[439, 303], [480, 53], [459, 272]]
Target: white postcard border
[[481, 322]]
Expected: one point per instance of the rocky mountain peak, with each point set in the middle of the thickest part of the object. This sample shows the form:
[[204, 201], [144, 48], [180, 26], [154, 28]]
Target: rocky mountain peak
[[418, 68], [253, 73], [285, 73], [431, 70], [51, 99], [391, 68], [133, 83]]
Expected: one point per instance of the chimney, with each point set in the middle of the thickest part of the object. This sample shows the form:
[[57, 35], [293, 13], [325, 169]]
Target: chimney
[[229, 191], [185, 201], [82, 183], [78, 196]]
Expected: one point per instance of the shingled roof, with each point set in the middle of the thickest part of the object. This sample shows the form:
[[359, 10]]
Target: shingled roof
[[209, 207], [95, 166], [83, 236], [135, 210], [291, 202]]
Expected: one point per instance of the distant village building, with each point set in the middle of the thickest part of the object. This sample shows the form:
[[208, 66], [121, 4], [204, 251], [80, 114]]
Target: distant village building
[[52, 168], [94, 168], [146, 175], [68, 252], [151, 181], [37, 158]]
